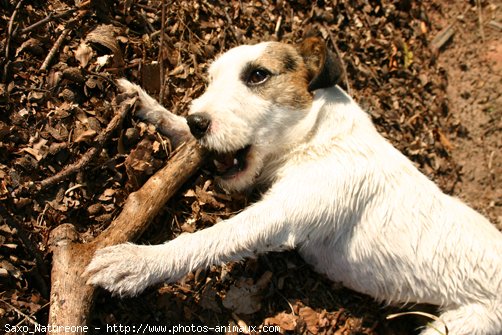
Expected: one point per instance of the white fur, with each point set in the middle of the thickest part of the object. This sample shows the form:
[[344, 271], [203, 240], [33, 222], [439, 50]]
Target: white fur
[[353, 206]]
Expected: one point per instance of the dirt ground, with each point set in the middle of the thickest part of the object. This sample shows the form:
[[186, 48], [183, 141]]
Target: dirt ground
[[440, 104], [473, 62]]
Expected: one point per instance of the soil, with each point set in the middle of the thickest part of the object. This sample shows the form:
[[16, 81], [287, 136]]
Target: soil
[[473, 62], [440, 106]]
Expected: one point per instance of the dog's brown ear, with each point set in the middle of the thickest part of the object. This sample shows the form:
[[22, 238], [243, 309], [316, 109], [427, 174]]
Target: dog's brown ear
[[324, 69]]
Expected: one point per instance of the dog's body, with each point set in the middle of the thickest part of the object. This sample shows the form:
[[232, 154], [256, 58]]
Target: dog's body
[[353, 206]]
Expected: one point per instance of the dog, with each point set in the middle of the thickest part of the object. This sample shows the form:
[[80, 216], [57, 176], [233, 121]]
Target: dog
[[354, 207]]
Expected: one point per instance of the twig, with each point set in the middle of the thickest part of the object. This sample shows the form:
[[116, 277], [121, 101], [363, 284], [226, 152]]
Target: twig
[[9, 28], [146, 8], [442, 37], [149, 26], [495, 25], [191, 31], [54, 49], [287, 301], [480, 19], [338, 54], [105, 78], [121, 68], [60, 40], [84, 4], [20, 313], [9, 37], [161, 52], [427, 315], [71, 299], [232, 29], [49, 18], [278, 27], [92, 153]]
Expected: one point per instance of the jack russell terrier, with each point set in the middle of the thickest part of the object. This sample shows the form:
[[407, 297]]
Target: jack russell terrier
[[353, 206]]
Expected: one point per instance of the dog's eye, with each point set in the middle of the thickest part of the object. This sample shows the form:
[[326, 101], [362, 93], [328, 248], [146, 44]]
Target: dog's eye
[[257, 77]]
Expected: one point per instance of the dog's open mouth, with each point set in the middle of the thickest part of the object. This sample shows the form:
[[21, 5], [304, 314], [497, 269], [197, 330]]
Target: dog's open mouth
[[228, 165]]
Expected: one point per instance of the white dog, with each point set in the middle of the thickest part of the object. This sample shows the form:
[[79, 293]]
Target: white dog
[[353, 206]]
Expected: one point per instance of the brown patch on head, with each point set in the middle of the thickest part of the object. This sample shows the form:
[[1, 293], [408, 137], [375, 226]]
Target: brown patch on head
[[288, 81], [323, 67]]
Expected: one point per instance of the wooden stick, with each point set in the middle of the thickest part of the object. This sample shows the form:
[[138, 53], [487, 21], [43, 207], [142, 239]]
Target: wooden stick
[[54, 49], [480, 20], [442, 37], [278, 27], [7, 42], [49, 18], [142, 205], [71, 298], [71, 23], [161, 52], [495, 25], [9, 28]]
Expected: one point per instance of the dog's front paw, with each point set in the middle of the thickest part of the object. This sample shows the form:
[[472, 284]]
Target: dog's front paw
[[123, 269], [126, 87]]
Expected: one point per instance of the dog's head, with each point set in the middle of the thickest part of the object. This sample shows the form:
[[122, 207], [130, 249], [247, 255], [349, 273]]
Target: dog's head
[[257, 95]]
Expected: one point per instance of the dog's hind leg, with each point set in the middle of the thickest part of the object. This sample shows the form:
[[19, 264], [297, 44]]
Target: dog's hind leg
[[472, 319]]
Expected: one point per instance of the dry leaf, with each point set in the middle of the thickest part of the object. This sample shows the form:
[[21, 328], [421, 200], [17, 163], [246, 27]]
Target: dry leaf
[[311, 318], [189, 225], [209, 299], [83, 54], [85, 136], [35, 153], [444, 140], [190, 193], [107, 195], [243, 297], [287, 322], [31, 45], [207, 197]]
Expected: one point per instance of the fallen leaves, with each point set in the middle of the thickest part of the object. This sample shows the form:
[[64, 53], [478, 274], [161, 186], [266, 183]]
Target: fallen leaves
[[306, 320], [52, 119], [83, 54], [244, 297], [286, 321]]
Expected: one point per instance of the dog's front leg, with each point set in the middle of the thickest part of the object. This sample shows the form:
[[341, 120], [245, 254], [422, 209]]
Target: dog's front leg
[[173, 126], [127, 269]]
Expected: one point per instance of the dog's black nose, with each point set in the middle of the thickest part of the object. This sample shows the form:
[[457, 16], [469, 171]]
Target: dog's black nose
[[199, 124]]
